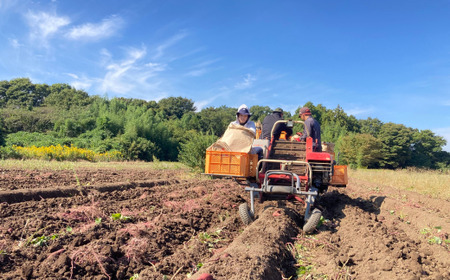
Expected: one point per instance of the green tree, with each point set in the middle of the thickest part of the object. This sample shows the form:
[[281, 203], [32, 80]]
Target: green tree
[[396, 140], [193, 151], [259, 112], [4, 85], [360, 150], [176, 106], [370, 126], [22, 93], [425, 148], [65, 97], [216, 120], [40, 119], [2, 137]]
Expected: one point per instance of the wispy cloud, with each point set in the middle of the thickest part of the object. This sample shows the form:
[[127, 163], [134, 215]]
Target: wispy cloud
[[246, 83], [132, 76], [160, 50], [215, 94], [197, 72], [201, 68], [83, 82], [359, 111], [43, 24], [72, 75], [15, 43], [96, 31]]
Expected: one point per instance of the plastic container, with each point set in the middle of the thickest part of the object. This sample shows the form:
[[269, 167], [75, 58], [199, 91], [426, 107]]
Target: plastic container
[[340, 175], [231, 163]]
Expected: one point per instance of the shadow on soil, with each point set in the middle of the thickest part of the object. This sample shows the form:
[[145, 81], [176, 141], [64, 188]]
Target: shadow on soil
[[334, 203]]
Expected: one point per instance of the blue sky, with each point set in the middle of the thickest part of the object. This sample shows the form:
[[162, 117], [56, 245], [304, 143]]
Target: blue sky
[[382, 59]]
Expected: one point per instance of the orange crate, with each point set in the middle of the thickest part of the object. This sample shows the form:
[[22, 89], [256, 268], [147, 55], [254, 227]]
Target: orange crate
[[340, 175], [231, 163]]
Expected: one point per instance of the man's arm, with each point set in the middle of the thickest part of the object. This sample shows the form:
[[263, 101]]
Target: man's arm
[[307, 127]]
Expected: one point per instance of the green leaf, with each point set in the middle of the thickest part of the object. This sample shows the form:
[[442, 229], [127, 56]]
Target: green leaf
[[116, 216]]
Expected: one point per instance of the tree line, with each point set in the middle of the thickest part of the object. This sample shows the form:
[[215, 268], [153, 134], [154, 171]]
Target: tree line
[[171, 129]]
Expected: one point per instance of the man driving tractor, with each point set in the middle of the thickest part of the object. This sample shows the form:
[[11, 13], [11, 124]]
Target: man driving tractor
[[311, 128]]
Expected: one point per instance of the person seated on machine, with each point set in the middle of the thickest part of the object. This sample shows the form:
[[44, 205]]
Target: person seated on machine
[[311, 128], [268, 123]]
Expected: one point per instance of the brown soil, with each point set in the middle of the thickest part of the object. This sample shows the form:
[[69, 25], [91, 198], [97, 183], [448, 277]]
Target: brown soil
[[116, 224]]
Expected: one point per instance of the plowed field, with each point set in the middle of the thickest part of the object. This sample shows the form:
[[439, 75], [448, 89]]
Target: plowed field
[[115, 223]]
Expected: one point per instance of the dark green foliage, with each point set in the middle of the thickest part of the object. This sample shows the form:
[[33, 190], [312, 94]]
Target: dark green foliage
[[396, 140], [2, 132], [9, 153], [193, 151], [42, 115], [4, 85], [259, 112], [216, 120], [442, 160], [360, 150], [137, 148], [21, 93], [28, 139], [65, 97], [176, 106], [39, 119], [370, 126], [425, 148]]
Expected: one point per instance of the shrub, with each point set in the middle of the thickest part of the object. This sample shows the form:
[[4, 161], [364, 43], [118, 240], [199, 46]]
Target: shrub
[[65, 153], [9, 153], [193, 151]]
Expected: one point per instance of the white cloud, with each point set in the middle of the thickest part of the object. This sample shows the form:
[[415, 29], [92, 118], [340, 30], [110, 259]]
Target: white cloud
[[160, 50], [132, 76], [81, 85], [197, 73], [72, 75], [359, 111], [44, 25], [223, 93], [96, 31], [247, 83], [201, 68], [80, 82], [15, 43], [199, 105]]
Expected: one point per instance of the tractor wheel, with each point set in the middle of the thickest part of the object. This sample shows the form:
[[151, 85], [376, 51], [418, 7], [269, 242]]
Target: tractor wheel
[[245, 214], [313, 221]]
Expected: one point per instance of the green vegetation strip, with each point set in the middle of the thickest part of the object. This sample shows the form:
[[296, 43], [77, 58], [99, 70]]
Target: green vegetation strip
[[34, 164]]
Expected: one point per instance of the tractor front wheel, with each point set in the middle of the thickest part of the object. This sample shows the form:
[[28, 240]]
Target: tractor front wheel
[[246, 217], [313, 221]]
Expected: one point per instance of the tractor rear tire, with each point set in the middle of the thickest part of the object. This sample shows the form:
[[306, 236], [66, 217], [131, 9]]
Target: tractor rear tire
[[313, 221], [245, 214]]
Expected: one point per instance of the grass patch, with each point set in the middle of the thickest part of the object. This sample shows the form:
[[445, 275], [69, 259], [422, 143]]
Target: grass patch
[[428, 182], [33, 164]]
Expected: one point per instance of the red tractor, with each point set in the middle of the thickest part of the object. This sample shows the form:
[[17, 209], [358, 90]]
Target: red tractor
[[289, 169]]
